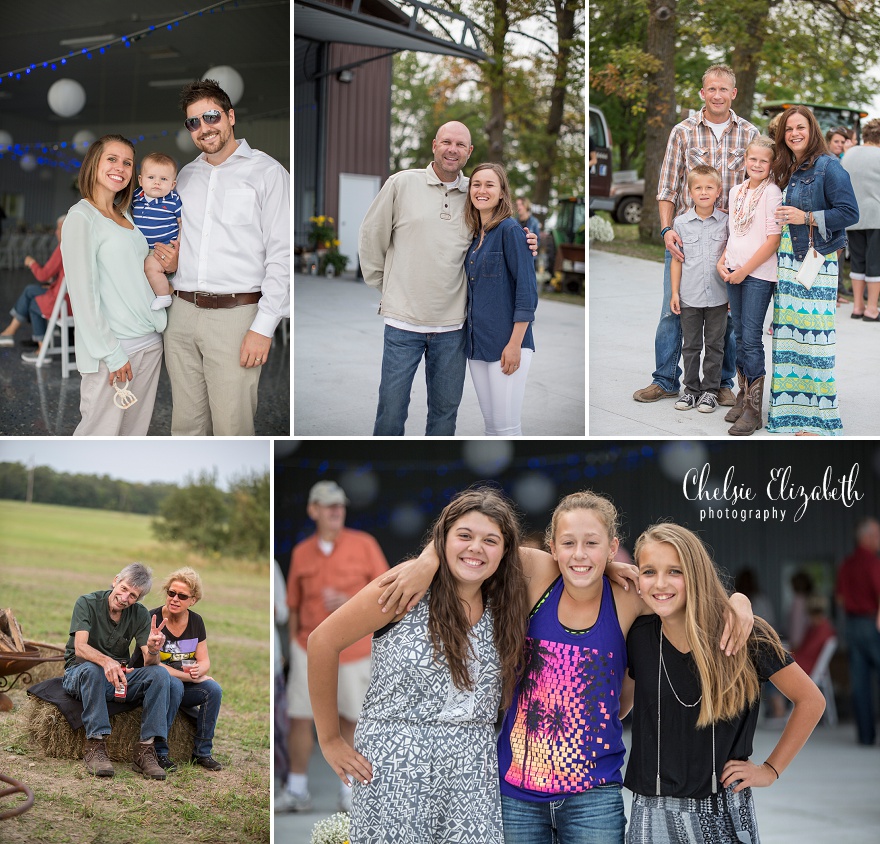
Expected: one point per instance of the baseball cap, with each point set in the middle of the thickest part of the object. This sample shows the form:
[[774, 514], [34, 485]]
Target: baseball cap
[[327, 493]]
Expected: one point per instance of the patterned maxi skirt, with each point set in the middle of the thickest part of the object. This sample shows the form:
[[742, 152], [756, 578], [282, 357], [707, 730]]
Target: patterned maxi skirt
[[803, 393], [727, 819]]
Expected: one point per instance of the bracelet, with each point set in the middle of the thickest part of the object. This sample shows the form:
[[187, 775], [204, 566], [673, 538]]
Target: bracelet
[[156, 653], [772, 769], [664, 230]]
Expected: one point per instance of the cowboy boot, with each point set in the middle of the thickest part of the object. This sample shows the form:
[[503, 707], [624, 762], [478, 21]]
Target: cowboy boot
[[736, 411], [750, 420]]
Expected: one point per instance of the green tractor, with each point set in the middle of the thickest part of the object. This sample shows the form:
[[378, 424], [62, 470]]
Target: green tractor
[[569, 260]]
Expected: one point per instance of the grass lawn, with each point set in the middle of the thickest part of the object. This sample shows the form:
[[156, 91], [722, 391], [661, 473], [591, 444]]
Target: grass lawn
[[50, 556]]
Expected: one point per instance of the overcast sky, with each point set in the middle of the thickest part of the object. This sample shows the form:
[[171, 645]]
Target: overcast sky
[[168, 461]]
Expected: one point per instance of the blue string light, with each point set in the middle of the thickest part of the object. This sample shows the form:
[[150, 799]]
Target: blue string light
[[124, 39]]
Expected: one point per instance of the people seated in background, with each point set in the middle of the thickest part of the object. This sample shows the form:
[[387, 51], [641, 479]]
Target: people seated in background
[[36, 301], [819, 631]]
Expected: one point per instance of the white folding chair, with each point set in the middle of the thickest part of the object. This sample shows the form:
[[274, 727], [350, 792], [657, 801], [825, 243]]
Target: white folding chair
[[60, 318], [821, 676]]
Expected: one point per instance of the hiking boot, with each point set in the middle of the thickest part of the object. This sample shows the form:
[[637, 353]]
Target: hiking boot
[[687, 402], [95, 757], [166, 762], [654, 392], [707, 403], [146, 763], [208, 762], [726, 397]]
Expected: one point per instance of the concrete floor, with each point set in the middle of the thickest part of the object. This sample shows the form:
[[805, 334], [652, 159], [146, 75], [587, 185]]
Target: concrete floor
[[338, 339], [828, 795], [625, 298], [39, 402]]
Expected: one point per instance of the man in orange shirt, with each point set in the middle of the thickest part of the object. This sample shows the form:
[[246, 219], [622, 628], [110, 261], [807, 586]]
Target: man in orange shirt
[[326, 569]]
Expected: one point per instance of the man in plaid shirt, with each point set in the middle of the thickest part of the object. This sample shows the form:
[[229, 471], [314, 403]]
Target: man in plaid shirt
[[717, 137]]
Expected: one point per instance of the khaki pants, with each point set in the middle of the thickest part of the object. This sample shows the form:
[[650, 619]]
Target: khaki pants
[[101, 417], [211, 392]]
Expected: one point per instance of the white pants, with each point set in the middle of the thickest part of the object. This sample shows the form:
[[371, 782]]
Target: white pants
[[500, 395]]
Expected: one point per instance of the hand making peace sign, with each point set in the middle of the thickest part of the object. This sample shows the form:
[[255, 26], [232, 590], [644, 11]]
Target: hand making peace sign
[[156, 638]]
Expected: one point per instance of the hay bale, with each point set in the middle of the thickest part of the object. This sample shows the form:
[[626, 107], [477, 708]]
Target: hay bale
[[50, 731]]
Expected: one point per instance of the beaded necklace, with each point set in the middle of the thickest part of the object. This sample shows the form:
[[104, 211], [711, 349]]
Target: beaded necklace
[[661, 670]]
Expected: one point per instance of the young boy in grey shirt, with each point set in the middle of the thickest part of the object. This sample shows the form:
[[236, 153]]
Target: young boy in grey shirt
[[699, 295]]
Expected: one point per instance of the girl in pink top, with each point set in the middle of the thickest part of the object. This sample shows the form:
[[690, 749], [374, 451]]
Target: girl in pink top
[[748, 265]]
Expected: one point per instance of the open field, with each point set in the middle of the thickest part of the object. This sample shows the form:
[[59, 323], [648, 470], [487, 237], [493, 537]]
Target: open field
[[49, 556]]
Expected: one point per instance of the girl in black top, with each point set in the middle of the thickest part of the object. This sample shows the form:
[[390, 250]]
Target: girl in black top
[[689, 768]]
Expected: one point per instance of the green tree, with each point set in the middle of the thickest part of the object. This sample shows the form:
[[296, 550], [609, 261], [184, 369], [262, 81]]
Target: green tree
[[196, 514], [249, 516]]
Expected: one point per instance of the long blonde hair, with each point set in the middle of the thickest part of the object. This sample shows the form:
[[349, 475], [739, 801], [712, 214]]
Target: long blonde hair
[[730, 684]]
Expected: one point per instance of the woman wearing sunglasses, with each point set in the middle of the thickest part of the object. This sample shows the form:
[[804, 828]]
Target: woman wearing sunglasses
[[118, 335], [185, 657]]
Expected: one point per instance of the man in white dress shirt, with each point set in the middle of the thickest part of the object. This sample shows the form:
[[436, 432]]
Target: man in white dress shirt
[[232, 286]]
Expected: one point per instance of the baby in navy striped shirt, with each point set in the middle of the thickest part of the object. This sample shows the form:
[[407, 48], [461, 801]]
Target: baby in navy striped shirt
[[155, 210]]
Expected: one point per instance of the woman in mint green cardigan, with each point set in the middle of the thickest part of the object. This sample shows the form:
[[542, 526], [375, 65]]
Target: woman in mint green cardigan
[[118, 335]]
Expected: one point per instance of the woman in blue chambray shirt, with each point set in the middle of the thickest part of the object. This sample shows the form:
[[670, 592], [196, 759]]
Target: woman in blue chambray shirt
[[817, 195], [502, 297]]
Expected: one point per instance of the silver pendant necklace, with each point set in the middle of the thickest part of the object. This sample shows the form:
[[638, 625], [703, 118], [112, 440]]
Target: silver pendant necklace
[[661, 670]]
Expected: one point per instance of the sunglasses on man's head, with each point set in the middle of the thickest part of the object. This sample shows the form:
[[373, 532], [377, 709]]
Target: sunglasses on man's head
[[172, 594], [211, 118]]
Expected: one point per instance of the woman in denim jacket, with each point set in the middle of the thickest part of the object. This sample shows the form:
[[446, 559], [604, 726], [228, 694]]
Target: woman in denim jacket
[[818, 196], [502, 297]]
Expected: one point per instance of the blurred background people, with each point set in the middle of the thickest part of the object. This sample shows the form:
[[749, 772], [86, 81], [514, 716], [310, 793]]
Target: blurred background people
[[326, 569], [858, 594], [819, 631]]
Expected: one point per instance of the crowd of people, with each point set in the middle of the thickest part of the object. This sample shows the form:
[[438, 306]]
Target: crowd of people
[[480, 630], [748, 219], [224, 242]]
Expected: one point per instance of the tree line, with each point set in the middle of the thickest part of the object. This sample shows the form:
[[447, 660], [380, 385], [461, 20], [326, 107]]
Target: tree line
[[199, 514]]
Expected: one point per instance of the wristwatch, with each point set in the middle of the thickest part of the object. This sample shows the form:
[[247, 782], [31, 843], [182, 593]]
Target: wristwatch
[[664, 230]]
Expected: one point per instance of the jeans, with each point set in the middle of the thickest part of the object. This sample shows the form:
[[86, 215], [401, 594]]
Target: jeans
[[863, 639], [445, 364], [592, 817], [667, 343], [206, 696], [748, 307], [150, 686], [26, 309]]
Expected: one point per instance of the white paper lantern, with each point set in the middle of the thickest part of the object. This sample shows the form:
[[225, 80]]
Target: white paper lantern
[[229, 79], [184, 140], [5, 140], [83, 138], [67, 97], [28, 163]]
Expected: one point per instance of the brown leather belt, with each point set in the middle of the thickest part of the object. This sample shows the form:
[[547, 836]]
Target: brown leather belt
[[218, 300]]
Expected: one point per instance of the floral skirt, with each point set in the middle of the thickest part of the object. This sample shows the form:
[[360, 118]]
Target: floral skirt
[[803, 392]]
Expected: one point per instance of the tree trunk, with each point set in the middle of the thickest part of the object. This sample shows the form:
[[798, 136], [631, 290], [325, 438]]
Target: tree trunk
[[496, 80], [745, 56], [660, 109], [565, 33]]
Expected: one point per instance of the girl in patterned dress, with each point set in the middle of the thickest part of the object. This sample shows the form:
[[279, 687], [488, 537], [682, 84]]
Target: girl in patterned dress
[[424, 763], [695, 711], [818, 205]]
